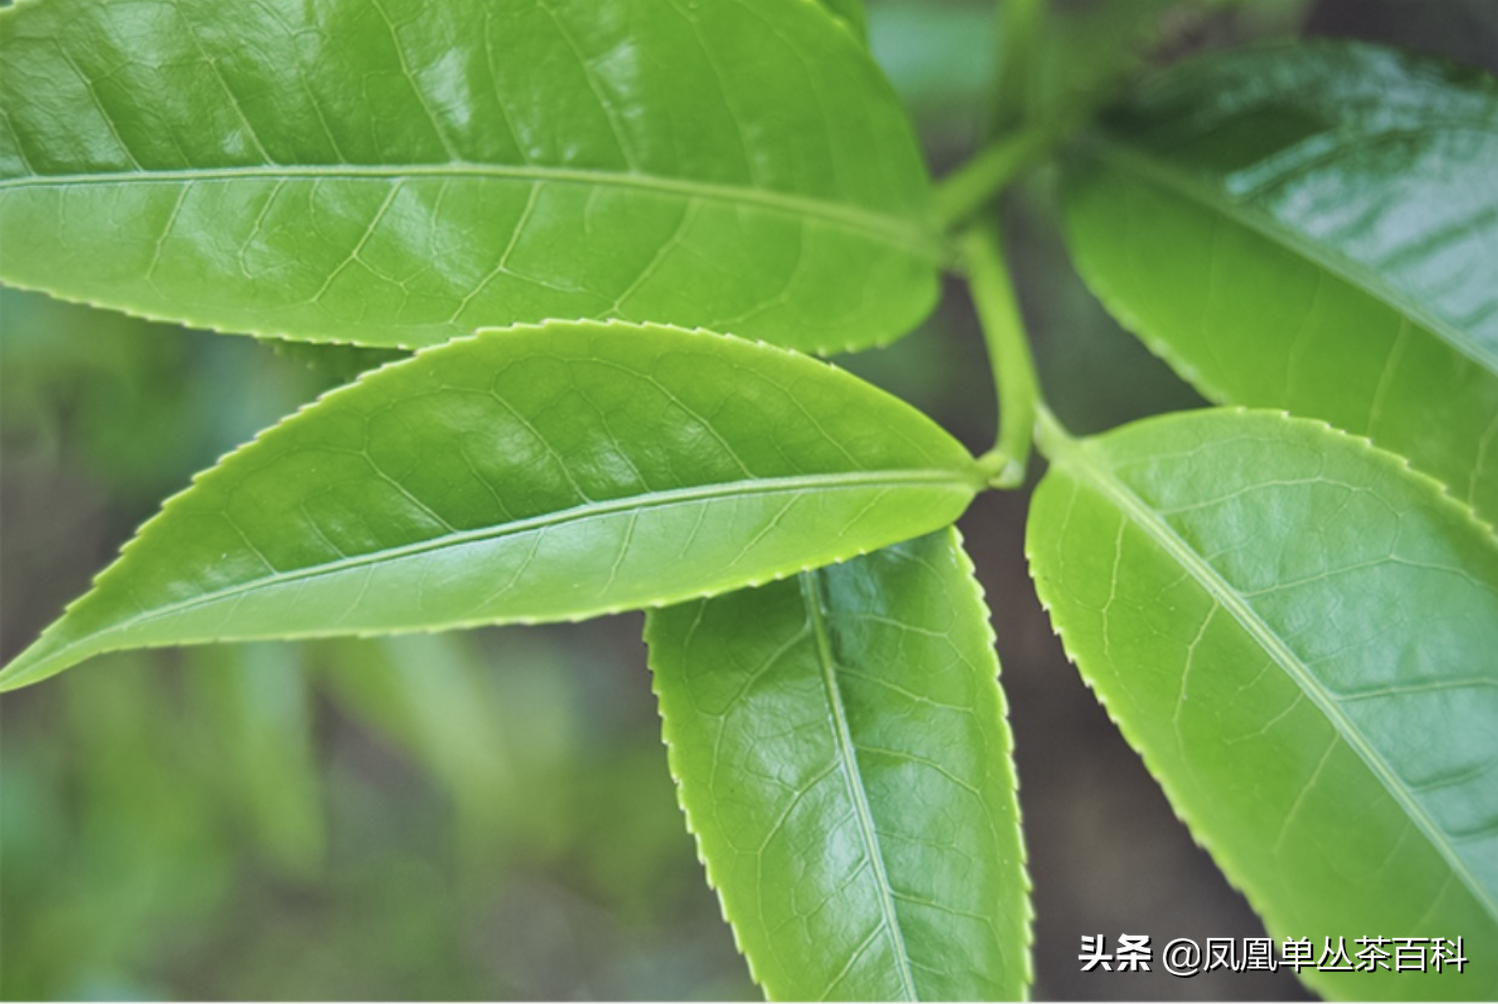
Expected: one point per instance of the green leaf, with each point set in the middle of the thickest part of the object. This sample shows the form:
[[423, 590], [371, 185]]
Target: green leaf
[[1312, 227], [841, 752], [535, 473], [398, 172], [1298, 633], [852, 14]]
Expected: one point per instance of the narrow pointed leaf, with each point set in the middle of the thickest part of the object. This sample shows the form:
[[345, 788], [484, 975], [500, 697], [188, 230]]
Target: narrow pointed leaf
[[535, 473], [841, 753], [399, 172], [1312, 227], [1298, 634]]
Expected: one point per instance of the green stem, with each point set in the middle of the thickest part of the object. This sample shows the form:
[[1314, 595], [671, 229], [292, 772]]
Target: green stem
[[1051, 436], [1019, 29], [1008, 353], [984, 175]]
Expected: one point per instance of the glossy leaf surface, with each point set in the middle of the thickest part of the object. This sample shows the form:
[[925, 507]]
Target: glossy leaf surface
[[841, 752], [1312, 227], [398, 172], [1297, 632], [535, 473]]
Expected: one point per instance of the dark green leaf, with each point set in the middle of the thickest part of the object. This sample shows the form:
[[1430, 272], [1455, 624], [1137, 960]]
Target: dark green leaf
[[398, 172], [842, 755], [1313, 227], [535, 473], [1298, 633]]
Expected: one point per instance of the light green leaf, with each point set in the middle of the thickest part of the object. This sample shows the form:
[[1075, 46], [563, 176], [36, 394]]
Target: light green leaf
[[535, 473], [398, 172], [1298, 633], [1312, 227], [841, 753]]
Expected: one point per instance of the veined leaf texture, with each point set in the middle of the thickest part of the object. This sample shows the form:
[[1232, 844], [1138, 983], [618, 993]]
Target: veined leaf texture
[[398, 172], [1293, 627], [545, 472], [1297, 632], [1312, 227], [840, 749]]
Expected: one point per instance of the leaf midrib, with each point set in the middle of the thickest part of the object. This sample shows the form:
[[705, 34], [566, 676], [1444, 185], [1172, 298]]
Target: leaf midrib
[[847, 752], [1182, 183], [886, 228], [1081, 458], [576, 514]]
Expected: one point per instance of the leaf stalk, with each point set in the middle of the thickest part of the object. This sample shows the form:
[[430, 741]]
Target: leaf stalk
[[1019, 24], [978, 180], [1051, 437], [1008, 353]]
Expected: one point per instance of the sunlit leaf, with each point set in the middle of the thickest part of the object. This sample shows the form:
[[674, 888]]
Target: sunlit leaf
[[1312, 227], [842, 755], [398, 172], [535, 473], [1298, 634]]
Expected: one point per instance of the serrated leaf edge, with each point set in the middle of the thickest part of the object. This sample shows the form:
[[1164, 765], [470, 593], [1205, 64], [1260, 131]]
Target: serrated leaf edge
[[10, 681], [1236, 877], [980, 595]]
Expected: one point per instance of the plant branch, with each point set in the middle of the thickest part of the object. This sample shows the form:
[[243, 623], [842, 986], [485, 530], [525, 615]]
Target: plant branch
[[1008, 353], [1019, 29], [983, 176]]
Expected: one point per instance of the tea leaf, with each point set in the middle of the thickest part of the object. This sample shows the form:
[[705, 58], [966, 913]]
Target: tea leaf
[[1297, 633], [395, 173], [1312, 227], [841, 752], [536, 473]]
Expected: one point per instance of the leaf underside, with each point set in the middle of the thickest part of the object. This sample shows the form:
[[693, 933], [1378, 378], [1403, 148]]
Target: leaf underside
[[1312, 227], [536, 473], [1297, 632], [398, 172], [841, 752]]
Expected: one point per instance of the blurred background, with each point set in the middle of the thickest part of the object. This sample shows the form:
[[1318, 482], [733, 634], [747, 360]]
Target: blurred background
[[489, 814]]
